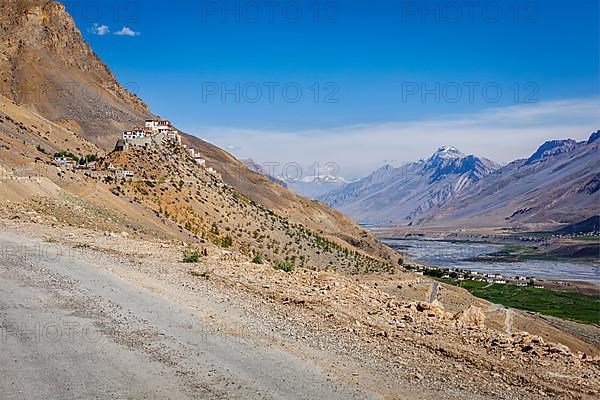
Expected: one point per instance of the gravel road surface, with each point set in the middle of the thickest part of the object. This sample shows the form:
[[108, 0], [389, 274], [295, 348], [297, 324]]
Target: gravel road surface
[[71, 329]]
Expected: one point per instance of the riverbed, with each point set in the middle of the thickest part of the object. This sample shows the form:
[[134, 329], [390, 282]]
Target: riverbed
[[455, 255]]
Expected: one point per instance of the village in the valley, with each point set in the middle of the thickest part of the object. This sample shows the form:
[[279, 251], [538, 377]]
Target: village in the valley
[[155, 132]]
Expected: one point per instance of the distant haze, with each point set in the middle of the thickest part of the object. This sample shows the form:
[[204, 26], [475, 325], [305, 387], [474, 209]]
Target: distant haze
[[500, 134]]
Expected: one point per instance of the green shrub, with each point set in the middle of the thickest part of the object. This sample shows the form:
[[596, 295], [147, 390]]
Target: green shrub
[[68, 154], [226, 242], [258, 258], [88, 159], [191, 256], [284, 266]]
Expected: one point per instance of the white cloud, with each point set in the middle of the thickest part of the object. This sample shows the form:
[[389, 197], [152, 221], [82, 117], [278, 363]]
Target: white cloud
[[125, 31], [99, 30], [500, 134]]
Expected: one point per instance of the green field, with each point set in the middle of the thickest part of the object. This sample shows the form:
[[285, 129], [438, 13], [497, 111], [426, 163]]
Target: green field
[[587, 238], [565, 305]]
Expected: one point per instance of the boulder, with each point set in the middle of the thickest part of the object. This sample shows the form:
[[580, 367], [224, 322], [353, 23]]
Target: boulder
[[472, 316], [557, 348], [435, 309]]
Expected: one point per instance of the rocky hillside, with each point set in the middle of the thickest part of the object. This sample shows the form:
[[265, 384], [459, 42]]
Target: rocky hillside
[[47, 66], [558, 185], [401, 195], [171, 196], [171, 184], [42, 53]]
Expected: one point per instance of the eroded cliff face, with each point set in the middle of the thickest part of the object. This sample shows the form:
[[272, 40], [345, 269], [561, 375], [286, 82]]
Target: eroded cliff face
[[46, 65]]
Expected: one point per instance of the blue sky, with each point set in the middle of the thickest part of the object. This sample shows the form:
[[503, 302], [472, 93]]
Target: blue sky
[[356, 64]]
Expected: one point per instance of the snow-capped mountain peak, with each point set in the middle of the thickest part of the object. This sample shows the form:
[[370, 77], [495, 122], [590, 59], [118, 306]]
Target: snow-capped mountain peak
[[317, 179], [447, 152], [403, 194]]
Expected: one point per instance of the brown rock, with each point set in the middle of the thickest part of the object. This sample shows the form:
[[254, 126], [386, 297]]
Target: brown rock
[[472, 316]]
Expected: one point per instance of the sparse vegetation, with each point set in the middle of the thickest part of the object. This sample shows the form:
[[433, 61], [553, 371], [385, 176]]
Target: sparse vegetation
[[215, 212], [565, 305], [226, 242], [191, 256], [67, 154], [258, 258], [284, 266], [88, 159]]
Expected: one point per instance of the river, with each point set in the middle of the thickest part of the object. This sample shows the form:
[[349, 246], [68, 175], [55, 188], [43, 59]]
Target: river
[[455, 254]]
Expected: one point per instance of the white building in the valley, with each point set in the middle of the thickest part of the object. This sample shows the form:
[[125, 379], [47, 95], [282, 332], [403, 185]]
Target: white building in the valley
[[62, 160], [154, 131], [173, 136], [152, 125], [124, 173], [134, 134], [157, 131], [66, 162], [200, 161]]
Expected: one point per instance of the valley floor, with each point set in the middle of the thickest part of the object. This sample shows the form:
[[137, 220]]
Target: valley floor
[[85, 314]]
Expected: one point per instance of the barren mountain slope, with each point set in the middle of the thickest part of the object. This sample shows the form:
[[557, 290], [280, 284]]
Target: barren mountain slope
[[173, 196], [557, 185], [174, 186], [46, 65], [41, 47], [401, 195], [31, 185]]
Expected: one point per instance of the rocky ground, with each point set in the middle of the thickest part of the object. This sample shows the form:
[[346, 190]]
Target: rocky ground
[[346, 326]]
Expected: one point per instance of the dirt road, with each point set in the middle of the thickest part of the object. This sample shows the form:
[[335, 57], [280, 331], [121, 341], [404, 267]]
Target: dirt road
[[72, 330], [94, 315], [434, 291]]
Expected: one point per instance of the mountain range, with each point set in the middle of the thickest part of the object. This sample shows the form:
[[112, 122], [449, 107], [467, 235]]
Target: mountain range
[[315, 186], [558, 184], [403, 194]]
